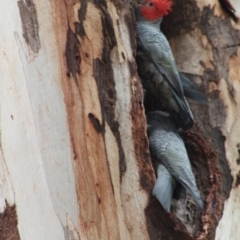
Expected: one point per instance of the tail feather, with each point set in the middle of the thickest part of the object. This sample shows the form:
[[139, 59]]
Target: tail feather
[[164, 187], [183, 118], [191, 91]]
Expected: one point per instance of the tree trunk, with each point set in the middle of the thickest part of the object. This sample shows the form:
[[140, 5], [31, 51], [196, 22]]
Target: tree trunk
[[74, 155]]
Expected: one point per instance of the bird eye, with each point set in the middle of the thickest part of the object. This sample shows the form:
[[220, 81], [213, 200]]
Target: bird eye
[[149, 4]]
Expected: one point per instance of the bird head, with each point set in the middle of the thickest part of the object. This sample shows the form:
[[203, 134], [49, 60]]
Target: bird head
[[155, 9]]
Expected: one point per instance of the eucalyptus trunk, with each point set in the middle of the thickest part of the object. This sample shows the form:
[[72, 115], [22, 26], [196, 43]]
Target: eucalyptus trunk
[[74, 154]]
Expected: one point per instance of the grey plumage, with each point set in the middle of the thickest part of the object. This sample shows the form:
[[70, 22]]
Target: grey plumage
[[164, 187], [191, 91], [164, 78], [167, 146], [154, 82]]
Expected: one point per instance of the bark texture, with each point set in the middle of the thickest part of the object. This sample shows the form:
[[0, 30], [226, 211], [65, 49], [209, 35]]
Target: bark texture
[[204, 48], [74, 155]]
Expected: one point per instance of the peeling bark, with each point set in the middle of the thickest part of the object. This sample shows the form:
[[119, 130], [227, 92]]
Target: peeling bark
[[204, 52], [74, 151], [30, 25], [8, 224]]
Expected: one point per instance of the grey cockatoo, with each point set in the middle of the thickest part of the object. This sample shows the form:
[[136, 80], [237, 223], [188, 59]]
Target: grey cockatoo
[[167, 83], [168, 147], [153, 82]]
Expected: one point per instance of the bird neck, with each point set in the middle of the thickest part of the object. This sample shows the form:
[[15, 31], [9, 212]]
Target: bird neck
[[158, 22]]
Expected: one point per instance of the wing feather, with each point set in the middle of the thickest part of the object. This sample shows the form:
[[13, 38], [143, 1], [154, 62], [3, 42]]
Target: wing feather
[[170, 149]]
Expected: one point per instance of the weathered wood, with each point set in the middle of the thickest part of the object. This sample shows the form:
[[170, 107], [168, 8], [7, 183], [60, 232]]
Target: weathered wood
[[74, 155], [207, 50], [73, 126]]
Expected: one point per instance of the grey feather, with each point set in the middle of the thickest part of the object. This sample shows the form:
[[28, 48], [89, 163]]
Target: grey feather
[[167, 145], [164, 187], [156, 44], [191, 91], [156, 48]]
